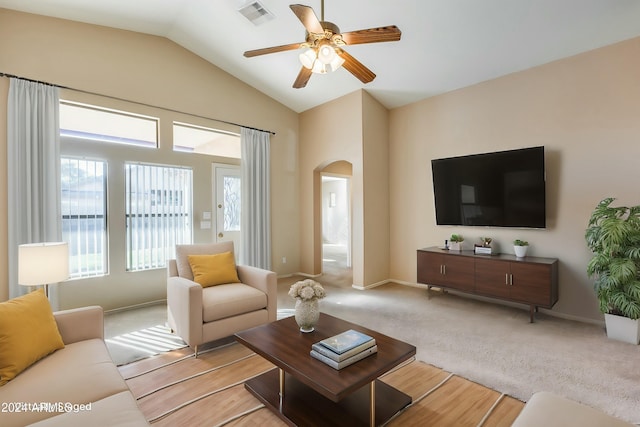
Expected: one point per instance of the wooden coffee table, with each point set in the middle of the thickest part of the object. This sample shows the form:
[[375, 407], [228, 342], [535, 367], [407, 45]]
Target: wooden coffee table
[[304, 391]]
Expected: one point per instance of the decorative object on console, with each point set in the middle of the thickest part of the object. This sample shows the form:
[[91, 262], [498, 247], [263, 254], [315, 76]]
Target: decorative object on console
[[485, 247], [612, 235], [41, 264], [456, 242], [520, 248], [307, 311]]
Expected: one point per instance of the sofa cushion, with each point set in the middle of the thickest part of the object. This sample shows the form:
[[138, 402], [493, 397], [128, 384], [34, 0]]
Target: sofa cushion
[[118, 410], [216, 269], [183, 252], [28, 332], [80, 373], [549, 410], [232, 299]]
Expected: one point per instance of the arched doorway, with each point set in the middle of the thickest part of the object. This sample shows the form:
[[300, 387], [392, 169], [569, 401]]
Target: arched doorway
[[335, 222]]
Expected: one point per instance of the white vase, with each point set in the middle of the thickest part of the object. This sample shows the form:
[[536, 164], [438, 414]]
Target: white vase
[[622, 328], [455, 246], [521, 251], [307, 314]]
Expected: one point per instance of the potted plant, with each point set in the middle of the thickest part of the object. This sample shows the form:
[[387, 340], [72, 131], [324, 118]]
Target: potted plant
[[613, 235], [520, 248], [456, 242]]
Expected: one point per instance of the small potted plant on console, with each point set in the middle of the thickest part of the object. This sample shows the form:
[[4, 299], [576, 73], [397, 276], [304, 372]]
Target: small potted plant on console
[[456, 242], [520, 248]]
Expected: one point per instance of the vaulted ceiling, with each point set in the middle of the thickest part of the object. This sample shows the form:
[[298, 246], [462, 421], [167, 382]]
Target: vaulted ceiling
[[445, 44]]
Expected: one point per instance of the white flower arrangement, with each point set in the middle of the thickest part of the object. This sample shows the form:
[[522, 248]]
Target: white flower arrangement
[[307, 290]]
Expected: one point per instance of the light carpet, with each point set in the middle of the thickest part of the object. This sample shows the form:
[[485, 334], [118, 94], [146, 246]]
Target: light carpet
[[177, 389], [495, 345], [137, 345]]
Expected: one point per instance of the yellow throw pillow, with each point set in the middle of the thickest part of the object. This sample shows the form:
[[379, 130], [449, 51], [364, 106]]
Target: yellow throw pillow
[[28, 332], [211, 270]]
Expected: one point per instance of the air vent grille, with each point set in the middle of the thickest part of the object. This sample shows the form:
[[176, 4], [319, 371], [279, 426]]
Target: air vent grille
[[255, 12]]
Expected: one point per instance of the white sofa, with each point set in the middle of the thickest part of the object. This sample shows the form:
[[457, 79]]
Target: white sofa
[[546, 409], [80, 378]]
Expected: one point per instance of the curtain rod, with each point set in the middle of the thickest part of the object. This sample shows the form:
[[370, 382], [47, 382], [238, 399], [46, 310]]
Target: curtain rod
[[133, 102]]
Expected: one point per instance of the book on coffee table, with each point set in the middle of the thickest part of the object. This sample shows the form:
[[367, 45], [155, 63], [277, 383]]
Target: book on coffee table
[[345, 341], [346, 362], [319, 348]]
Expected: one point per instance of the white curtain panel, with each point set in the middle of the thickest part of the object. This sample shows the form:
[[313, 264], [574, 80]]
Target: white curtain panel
[[255, 247], [33, 150]]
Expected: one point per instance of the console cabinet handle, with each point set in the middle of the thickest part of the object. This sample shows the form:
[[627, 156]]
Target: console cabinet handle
[[506, 278]]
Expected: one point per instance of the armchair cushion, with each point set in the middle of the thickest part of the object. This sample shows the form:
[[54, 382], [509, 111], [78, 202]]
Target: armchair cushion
[[216, 269], [28, 332], [183, 252], [219, 302]]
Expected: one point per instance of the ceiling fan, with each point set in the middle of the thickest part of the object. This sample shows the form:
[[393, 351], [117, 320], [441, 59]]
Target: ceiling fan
[[322, 51]]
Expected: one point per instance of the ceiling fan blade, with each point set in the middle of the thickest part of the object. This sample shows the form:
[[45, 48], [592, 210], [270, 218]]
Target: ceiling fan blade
[[273, 49], [303, 77], [307, 16], [356, 67], [390, 33]]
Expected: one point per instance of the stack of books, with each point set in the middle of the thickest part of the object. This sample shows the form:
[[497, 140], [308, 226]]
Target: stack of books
[[344, 349]]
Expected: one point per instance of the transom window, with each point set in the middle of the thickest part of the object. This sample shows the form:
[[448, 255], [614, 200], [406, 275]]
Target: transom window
[[104, 125], [203, 140]]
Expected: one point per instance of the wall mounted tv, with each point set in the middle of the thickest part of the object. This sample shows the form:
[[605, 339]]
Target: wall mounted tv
[[499, 189]]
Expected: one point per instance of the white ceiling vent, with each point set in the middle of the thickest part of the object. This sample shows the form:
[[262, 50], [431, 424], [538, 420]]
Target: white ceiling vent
[[255, 12]]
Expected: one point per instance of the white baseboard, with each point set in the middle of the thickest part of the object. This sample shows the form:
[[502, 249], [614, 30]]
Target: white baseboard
[[141, 305]]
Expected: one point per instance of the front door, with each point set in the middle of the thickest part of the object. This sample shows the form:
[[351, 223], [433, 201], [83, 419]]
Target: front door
[[227, 203]]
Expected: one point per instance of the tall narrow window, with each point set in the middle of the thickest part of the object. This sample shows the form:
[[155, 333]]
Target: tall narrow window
[[84, 215], [158, 213]]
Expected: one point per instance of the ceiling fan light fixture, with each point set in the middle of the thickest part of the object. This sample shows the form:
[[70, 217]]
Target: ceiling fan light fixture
[[326, 53], [307, 58], [336, 63], [319, 67]]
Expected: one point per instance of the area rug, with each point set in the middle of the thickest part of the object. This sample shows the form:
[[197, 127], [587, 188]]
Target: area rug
[[137, 345], [177, 389]]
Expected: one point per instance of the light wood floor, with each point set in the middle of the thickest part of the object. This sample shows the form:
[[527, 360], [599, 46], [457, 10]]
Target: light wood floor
[[209, 391]]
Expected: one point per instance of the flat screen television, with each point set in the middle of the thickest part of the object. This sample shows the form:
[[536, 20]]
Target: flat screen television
[[499, 189]]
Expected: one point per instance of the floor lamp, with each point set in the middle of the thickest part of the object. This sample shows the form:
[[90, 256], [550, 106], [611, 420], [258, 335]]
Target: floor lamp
[[43, 263]]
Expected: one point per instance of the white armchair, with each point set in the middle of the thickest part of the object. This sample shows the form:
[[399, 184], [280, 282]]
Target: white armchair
[[199, 315]]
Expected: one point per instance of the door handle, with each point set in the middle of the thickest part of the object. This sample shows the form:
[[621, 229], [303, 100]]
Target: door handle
[[221, 235]]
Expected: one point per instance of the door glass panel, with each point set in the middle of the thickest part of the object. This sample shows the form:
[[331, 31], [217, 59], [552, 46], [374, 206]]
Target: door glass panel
[[231, 203]]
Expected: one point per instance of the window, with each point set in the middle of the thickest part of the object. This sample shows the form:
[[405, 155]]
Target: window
[[84, 215], [103, 125], [199, 139], [158, 211]]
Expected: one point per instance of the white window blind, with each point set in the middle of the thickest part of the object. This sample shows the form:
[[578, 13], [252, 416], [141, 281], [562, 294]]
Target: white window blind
[[158, 213], [84, 215]]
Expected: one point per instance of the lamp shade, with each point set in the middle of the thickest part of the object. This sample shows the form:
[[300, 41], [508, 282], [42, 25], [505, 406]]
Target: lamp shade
[[43, 263]]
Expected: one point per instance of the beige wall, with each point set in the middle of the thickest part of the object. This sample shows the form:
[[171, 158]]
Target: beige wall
[[585, 110], [353, 128], [155, 71], [329, 133], [375, 150]]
